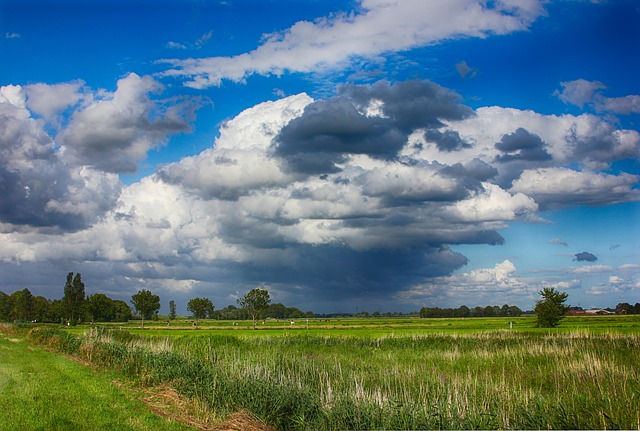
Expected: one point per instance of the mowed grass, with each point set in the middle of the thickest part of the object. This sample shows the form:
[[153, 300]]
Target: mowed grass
[[42, 390]]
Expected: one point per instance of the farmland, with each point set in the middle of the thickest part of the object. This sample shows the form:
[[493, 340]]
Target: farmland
[[371, 327], [384, 373]]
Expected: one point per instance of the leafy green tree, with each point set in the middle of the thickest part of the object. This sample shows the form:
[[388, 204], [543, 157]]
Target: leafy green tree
[[41, 309], [624, 308], [276, 311], [73, 297], [295, 313], [231, 312], [57, 311], [145, 303], [550, 310], [122, 311], [463, 311], [477, 312], [101, 308], [21, 305], [514, 311], [254, 302], [5, 307], [200, 308], [172, 310]]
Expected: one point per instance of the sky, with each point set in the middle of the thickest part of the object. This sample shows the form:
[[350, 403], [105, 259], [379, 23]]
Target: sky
[[370, 155]]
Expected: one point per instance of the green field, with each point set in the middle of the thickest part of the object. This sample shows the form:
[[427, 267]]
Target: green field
[[41, 390], [475, 373], [374, 327]]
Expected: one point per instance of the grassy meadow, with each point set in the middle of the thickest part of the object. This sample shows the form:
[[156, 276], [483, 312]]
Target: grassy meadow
[[371, 327], [384, 373]]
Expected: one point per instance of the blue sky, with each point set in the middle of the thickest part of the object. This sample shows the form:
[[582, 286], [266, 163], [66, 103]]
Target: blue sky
[[371, 155]]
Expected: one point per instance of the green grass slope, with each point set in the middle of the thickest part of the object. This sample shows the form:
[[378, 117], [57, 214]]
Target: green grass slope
[[41, 390]]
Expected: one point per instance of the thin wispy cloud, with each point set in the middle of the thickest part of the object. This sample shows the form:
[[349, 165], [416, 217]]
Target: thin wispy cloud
[[375, 29], [559, 241]]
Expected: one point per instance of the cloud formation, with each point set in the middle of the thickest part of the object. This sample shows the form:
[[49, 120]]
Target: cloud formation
[[61, 145], [117, 130], [375, 28], [466, 71], [374, 121], [585, 257], [559, 241], [39, 187], [482, 284], [367, 191], [582, 92]]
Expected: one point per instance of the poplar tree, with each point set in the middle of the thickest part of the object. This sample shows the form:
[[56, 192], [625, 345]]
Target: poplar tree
[[172, 310], [74, 297]]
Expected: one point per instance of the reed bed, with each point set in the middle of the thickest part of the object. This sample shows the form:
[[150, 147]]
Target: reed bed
[[488, 380]]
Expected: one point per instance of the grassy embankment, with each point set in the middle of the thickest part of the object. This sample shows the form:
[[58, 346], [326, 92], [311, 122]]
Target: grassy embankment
[[41, 390], [418, 379]]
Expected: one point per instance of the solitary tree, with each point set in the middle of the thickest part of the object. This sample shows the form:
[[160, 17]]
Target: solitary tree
[[550, 310], [145, 303], [172, 310], [255, 301], [201, 308], [73, 298]]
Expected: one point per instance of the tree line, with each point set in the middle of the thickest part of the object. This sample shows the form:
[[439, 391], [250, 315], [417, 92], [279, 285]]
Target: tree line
[[464, 311], [73, 307], [626, 308]]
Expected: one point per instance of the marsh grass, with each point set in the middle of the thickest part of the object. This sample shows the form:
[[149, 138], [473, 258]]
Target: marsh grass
[[484, 380]]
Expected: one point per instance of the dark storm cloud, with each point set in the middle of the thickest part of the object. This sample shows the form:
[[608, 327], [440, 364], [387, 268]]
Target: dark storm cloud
[[585, 257], [520, 150], [411, 104], [522, 146], [342, 273], [329, 130], [448, 140], [475, 170], [25, 197]]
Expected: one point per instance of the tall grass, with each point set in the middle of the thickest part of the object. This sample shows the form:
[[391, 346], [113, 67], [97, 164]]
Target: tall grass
[[485, 380]]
